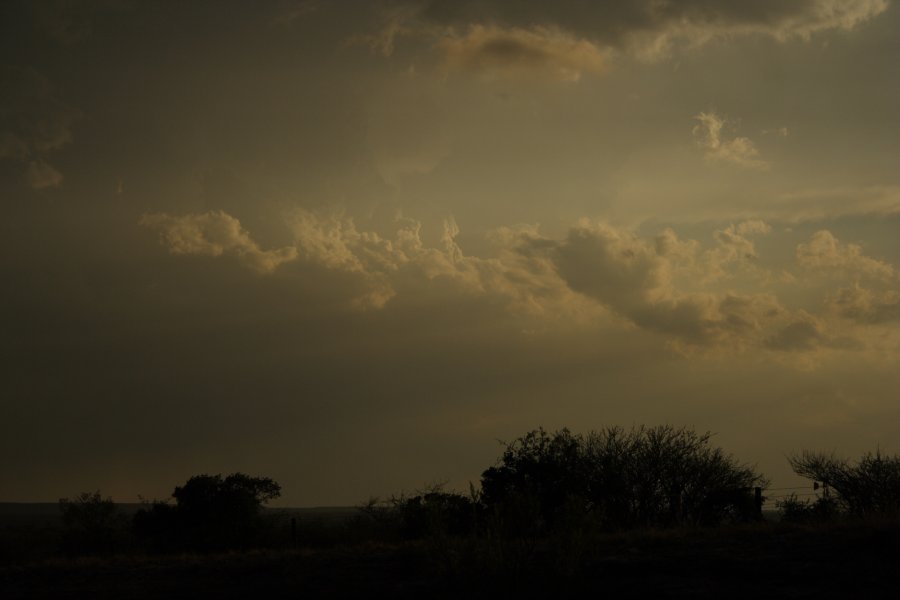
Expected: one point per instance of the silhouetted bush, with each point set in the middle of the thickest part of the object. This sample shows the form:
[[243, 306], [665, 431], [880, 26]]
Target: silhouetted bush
[[428, 513], [436, 512], [869, 488], [157, 528], [91, 524], [211, 513], [618, 479], [807, 511]]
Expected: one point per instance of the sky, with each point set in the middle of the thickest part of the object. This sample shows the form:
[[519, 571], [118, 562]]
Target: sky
[[355, 246]]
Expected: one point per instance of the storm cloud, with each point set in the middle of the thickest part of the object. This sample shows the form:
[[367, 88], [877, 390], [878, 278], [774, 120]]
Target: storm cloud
[[349, 245]]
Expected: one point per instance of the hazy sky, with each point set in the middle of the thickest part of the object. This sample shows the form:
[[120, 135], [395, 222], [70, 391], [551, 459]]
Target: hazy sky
[[351, 245]]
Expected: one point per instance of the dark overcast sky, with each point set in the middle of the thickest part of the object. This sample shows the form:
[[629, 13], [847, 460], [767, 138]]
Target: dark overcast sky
[[350, 245]]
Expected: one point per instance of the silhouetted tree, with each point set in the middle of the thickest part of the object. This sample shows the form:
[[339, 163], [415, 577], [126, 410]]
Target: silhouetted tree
[[211, 513], [537, 475], [643, 477], [871, 487], [661, 476]]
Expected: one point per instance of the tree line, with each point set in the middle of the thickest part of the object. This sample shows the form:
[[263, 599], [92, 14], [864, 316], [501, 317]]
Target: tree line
[[543, 484]]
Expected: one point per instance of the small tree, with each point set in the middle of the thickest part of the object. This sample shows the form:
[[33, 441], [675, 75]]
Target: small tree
[[870, 487]]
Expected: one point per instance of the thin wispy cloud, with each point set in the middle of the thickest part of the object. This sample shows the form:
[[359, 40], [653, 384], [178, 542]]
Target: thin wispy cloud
[[711, 134], [648, 30], [516, 53]]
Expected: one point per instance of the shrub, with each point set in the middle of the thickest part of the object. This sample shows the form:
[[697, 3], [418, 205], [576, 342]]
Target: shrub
[[795, 510], [91, 524], [429, 513], [435, 512], [157, 527]]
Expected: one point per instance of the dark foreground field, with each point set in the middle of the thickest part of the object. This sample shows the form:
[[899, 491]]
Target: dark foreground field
[[755, 561]]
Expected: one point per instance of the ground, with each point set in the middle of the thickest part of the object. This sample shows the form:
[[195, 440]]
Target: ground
[[756, 561]]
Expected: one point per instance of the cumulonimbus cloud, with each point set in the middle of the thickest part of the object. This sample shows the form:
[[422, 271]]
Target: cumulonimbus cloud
[[804, 332], [824, 251], [215, 233], [866, 305], [872, 298], [594, 270], [333, 241], [734, 244], [634, 277]]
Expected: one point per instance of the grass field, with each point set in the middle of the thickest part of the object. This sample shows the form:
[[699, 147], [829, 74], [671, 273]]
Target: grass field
[[761, 560]]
